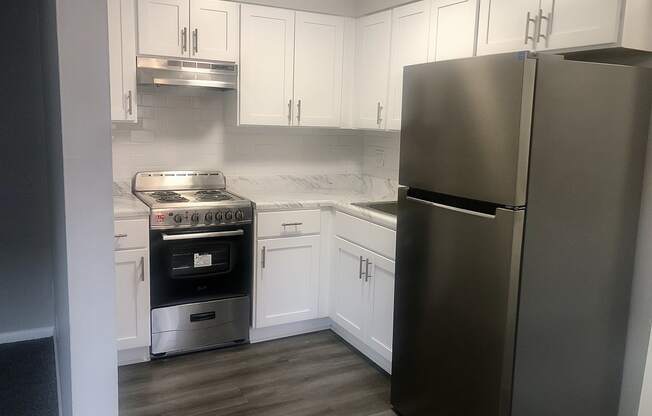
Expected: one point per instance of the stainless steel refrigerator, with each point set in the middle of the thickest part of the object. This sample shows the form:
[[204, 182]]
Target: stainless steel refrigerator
[[516, 235]]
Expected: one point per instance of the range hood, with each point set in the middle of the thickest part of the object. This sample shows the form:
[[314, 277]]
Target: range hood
[[164, 71]]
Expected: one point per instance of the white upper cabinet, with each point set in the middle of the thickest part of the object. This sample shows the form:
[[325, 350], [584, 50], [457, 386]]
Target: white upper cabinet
[[122, 60], [267, 65], [200, 29], [215, 30], [287, 285], [453, 29], [163, 27], [575, 23], [409, 47], [373, 38], [319, 44], [507, 26]]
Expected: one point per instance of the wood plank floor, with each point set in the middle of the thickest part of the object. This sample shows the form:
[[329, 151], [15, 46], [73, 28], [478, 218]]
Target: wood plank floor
[[315, 374]]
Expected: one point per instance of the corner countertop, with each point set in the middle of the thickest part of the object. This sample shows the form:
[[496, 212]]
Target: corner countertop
[[339, 191], [125, 204]]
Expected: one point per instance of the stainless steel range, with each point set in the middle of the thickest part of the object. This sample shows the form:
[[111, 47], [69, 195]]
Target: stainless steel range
[[201, 251]]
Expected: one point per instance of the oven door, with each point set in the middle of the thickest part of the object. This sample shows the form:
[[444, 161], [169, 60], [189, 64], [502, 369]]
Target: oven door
[[197, 265]]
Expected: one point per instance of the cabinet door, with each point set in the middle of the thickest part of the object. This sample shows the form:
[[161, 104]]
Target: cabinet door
[[372, 69], [348, 287], [506, 26], [287, 285], [215, 30], [319, 45], [132, 296], [163, 27], [409, 47], [453, 28], [266, 73], [380, 301], [574, 23], [122, 59]]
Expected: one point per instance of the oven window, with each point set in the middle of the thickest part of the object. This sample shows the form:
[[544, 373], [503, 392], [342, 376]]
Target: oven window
[[200, 260]]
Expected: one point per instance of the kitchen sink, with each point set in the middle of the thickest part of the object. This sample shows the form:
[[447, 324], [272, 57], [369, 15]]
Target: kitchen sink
[[387, 207]]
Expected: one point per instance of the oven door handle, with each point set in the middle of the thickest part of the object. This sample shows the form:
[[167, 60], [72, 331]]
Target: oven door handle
[[196, 236]]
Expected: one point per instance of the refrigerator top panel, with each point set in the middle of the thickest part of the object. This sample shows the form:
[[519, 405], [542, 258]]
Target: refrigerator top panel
[[466, 127]]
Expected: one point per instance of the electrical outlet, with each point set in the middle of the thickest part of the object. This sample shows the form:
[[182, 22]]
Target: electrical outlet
[[379, 157]]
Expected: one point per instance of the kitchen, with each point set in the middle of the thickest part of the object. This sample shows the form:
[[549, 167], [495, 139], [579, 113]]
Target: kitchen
[[275, 176]]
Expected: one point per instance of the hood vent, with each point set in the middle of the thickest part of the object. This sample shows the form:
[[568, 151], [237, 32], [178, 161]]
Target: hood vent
[[162, 71]]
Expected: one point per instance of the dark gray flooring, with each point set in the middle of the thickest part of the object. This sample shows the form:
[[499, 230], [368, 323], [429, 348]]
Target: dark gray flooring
[[314, 374], [28, 379]]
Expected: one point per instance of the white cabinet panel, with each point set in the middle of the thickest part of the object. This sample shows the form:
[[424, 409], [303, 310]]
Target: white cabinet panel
[[348, 287], [380, 322], [372, 69], [266, 56], [163, 27], [215, 30], [287, 286], [122, 59], [288, 223], [319, 43], [574, 23], [453, 28], [132, 297], [503, 24], [409, 47]]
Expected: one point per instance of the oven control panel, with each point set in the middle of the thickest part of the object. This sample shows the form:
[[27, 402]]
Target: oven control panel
[[203, 217]]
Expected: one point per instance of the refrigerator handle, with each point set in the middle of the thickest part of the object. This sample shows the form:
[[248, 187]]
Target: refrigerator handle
[[460, 210]]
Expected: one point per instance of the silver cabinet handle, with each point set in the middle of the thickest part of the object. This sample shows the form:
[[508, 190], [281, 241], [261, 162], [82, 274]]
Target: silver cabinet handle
[[290, 112], [548, 20], [217, 234], [142, 269], [360, 273], [299, 112], [184, 39], [292, 224], [367, 275], [263, 257], [379, 113], [527, 29], [121, 235], [195, 41], [130, 103]]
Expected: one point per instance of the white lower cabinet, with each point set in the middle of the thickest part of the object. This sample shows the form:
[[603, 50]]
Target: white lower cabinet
[[287, 280], [363, 292], [132, 297]]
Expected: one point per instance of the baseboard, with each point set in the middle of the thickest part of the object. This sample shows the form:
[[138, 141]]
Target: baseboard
[[26, 335], [367, 351], [133, 356], [288, 330]]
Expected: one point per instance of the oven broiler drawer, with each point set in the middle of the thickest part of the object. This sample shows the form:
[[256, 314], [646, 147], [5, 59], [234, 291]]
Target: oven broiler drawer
[[197, 326]]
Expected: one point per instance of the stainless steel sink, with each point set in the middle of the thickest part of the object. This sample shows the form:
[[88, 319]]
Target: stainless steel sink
[[387, 207]]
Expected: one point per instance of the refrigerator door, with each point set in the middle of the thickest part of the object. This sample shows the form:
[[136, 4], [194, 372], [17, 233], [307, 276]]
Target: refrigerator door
[[466, 127], [457, 277]]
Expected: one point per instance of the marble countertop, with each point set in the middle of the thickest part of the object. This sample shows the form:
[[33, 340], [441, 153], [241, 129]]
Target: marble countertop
[[125, 204], [288, 192]]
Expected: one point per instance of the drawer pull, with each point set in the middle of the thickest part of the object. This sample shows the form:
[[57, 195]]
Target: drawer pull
[[199, 317], [121, 235], [292, 224]]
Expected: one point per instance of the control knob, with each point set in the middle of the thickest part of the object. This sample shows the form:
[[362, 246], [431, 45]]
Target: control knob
[[228, 215], [239, 215], [208, 217], [178, 218], [194, 218], [218, 217]]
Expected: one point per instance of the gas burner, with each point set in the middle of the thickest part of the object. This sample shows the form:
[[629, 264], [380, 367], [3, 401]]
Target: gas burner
[[212, 195]]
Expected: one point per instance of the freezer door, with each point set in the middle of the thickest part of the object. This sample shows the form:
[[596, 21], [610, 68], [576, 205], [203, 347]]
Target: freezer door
[[457, 277], [466, 127]]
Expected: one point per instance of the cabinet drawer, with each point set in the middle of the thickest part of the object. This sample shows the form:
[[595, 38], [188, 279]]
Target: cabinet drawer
[[288, 223], [366, 234], [130, 234]]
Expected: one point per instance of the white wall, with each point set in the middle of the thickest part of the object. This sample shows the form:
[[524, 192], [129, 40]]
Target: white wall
[[381, 154], [26, 293], [75, 55], [181, 128]]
